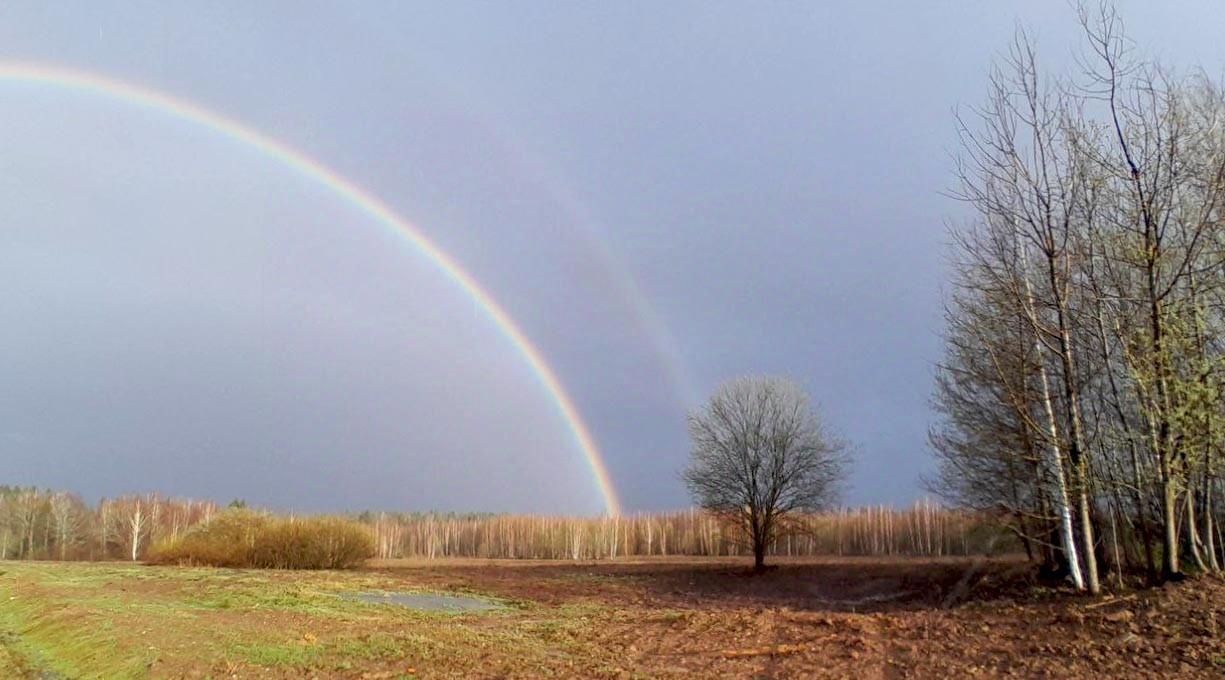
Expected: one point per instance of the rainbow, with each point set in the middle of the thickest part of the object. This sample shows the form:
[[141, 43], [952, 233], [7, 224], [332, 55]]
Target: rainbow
[[349, 191], [629, 291]]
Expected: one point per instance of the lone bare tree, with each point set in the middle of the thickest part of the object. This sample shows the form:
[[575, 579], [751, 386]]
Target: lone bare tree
[[760, 453]]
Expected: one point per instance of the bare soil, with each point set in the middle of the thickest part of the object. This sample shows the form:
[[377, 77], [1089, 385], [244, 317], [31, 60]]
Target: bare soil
[[863, 617], [811, 618]]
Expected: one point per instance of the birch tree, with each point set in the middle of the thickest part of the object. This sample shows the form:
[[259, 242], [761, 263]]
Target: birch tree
[[68, 517], [1098, 203]]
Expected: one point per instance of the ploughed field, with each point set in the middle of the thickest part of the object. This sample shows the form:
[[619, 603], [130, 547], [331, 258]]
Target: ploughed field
[[833, 617]]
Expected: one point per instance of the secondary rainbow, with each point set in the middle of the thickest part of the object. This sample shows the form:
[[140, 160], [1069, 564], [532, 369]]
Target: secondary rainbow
[[367, 203]]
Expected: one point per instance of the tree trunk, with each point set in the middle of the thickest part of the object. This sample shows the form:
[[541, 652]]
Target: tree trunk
[[1193, 539], [1077, 452], [1170, 570], [1060, 495], [1066, 530], [1086, 529], [1209, 539]]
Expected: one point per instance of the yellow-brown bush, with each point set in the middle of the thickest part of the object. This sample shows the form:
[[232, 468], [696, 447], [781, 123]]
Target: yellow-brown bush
[[314, 543], [240, 538]]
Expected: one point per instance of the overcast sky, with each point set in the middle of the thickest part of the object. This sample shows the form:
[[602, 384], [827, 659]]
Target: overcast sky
[[664, 195]]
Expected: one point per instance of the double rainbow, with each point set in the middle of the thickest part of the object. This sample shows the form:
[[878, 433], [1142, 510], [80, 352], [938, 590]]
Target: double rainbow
[[349, 191]]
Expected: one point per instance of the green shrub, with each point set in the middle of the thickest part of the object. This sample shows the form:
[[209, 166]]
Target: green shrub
[[241, 538]]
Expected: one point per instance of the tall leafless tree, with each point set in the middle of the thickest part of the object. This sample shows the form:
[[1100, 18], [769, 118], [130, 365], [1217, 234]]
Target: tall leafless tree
[[68, 516], [760, 452]]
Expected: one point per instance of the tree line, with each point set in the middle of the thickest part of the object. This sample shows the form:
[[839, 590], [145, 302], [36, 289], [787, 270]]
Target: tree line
[[55, 525], [926, 529], [59, 525], [1080, 392]]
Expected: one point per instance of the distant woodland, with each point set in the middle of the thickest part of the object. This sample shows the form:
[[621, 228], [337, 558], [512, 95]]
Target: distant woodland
[[49, 525]]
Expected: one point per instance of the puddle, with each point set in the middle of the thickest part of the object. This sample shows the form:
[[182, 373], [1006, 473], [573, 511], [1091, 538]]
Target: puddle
[[426, 602]]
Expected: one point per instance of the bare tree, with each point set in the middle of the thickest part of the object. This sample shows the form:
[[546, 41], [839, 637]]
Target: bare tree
[[135, 519], [1021, 172], [8, 513], [28, 506], [1088, 313], [68, 515], [760, 452], [993, 396]]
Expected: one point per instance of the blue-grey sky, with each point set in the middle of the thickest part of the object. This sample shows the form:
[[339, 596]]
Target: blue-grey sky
[[663, 195]]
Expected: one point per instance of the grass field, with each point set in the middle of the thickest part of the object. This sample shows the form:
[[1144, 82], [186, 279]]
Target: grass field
[[869, 618]]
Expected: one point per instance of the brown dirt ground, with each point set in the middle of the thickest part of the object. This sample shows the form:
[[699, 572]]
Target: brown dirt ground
[[867, 618], [810, 618]]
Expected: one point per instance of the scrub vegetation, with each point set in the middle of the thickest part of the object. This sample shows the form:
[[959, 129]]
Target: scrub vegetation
[[241, 538]]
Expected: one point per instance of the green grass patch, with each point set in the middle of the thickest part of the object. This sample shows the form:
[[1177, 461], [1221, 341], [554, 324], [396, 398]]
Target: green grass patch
[[271, 654], [135, 621], [67, 642]]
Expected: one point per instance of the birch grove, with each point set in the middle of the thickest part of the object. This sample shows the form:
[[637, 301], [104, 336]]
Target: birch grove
[[1079, 397]]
